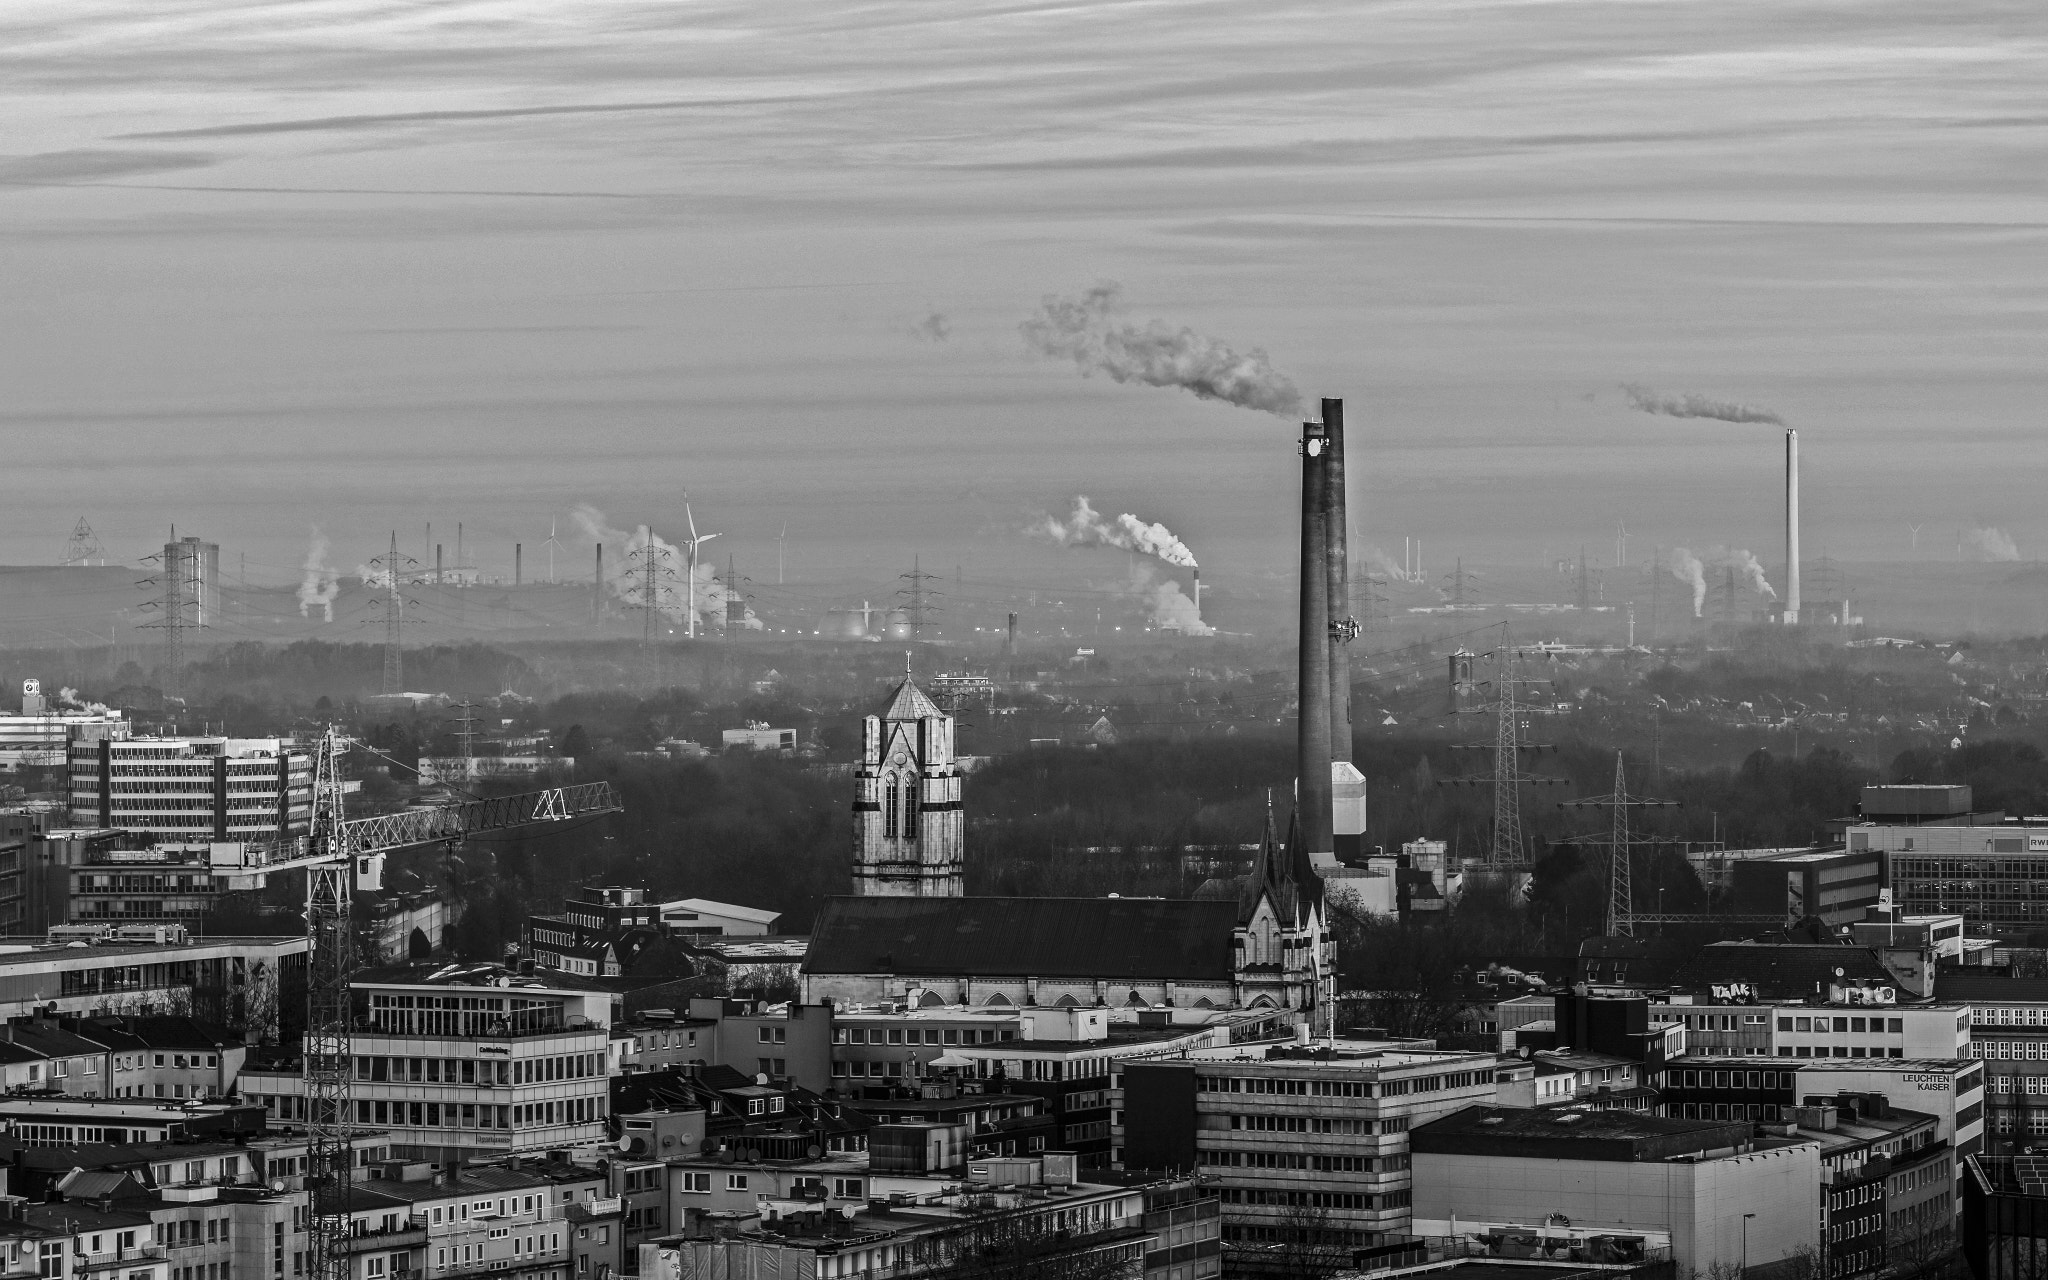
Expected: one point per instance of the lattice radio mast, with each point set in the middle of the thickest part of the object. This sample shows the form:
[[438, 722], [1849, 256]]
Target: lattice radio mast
[[84, 547]]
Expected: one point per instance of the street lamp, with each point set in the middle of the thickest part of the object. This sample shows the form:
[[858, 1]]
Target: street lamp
[[1745, 1243]]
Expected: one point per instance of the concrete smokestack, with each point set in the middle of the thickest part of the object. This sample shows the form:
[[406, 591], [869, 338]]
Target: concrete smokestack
[[1791, 526], [1312, 739], [1337, 574], [1347, 784], [1198, 595]]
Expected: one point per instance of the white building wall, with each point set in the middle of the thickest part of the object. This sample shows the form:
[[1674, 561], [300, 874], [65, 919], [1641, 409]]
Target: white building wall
[[1697, 1207]]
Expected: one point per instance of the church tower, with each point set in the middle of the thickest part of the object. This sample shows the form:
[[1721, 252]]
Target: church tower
[[908, 830], [1282, 953]]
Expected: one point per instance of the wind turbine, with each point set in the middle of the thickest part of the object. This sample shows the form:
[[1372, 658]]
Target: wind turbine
[[695, 540], [1915, 529], [553, 542]]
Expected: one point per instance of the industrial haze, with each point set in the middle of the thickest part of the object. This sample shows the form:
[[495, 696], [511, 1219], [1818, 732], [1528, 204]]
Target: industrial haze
[[364, 267]]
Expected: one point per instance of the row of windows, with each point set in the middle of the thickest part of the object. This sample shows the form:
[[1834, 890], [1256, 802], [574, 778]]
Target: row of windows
[[466, 1115], [1308, 1199], [501, 1071], [1849, 1025], [1865, 1194], [930, 1035], [1302, 1160], [1838, 1051], [1717, 1079]]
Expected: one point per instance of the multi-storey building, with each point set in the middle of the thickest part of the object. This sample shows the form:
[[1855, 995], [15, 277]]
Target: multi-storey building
[[226, 979], [1298, 1132], [2009, 1035], [248, 789], [46, 725], [473, 1061], [1993, 874], [511, 1220], [877, 1044], [597, 934]]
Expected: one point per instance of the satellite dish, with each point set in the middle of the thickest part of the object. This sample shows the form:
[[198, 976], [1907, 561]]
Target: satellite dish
[[725, 1155], [846, 1211], [1838, 971], [277, 1184], [753, 1155], [762, 1078], [814, 1151]]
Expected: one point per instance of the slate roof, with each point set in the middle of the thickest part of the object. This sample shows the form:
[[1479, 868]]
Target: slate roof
[[1780, 971], [1115, 938], [910, 703]]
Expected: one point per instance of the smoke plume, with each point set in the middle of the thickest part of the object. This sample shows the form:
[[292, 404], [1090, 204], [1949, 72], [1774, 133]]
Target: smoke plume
[[1990, 544], [67, 697], [1086, 528], [1085, 331], [1696, 406], [1686, 567], [935, 327], [1746, 565], [1171, 610], [322, 582], [677, 591]]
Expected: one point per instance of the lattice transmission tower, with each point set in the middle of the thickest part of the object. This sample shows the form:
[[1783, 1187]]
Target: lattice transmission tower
[[1509, 847], [393, 568], [1621, 898], [917, 598], [654, 585], [177, 607]]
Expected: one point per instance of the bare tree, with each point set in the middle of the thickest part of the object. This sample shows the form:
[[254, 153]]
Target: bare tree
[[1305, 1245]]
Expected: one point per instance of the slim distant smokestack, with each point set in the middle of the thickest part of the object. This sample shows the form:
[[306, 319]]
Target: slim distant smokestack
[[437, 564], [518, 563], [1791, 526], [597, 587], [1312, 750], [1198, 595], [1337, 575]]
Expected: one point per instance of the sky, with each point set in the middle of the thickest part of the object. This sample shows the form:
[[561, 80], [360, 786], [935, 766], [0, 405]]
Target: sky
[[366, 265]]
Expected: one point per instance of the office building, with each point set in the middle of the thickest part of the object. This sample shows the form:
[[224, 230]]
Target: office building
[[1951, 1091], [1289, 1131], [2005, 1217], [1593, 1186], [703, 918], [465, 1062], [1995, 876], [511, 1220], [221, 789], [2009, 1035], [1835, 886], [40, 734], [231, 981]]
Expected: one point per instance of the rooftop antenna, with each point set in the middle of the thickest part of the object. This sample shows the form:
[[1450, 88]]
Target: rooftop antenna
[[696, 540], [553, 542]]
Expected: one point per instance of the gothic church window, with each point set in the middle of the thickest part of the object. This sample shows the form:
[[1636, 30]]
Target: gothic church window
[[910, 810], [889, 809]]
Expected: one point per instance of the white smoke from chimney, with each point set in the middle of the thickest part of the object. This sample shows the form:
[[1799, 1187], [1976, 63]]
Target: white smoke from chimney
[[1991, 544], [1686, 567], [675, 591], [321, 583], [1645, 400], [1086, 527], [67, 697], [1170, 607], [1082, 330], [1747, 565]]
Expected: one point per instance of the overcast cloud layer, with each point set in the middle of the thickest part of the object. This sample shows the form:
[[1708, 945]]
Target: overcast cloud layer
[[370, 264]]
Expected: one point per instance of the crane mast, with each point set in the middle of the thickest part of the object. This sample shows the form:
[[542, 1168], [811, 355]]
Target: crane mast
[[339, 850]]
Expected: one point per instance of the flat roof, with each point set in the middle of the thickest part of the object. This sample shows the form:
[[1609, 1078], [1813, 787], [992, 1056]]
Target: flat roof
[[1912, 1066], [36, 952], [1350, 1055]]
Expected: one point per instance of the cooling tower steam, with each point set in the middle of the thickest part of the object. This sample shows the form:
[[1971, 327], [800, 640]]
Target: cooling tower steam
[[676, 589], [1087, 528], [1991, 544], [1645, 400], [321, 583], [1686, 567], [1085, 330]]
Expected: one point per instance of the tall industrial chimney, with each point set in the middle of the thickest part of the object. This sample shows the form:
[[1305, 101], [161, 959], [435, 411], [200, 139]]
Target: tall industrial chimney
[[1312, 738], [597, 589], [1198, 595], [1347, 784], [1791, 526]]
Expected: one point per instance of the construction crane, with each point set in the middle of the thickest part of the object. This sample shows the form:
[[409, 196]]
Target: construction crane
[[341, 854]]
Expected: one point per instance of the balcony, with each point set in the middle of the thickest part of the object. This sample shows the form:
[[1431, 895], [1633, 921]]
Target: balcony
[[407, 1237], [114, 1259]]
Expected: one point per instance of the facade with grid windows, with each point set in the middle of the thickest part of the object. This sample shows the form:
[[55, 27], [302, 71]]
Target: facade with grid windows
[[1995, 876], [1295, 1132], [192, 788]]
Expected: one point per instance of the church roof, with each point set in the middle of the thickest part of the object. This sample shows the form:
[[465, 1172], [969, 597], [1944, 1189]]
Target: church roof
[[1283, 874], [910, 703], [1113, 938]]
